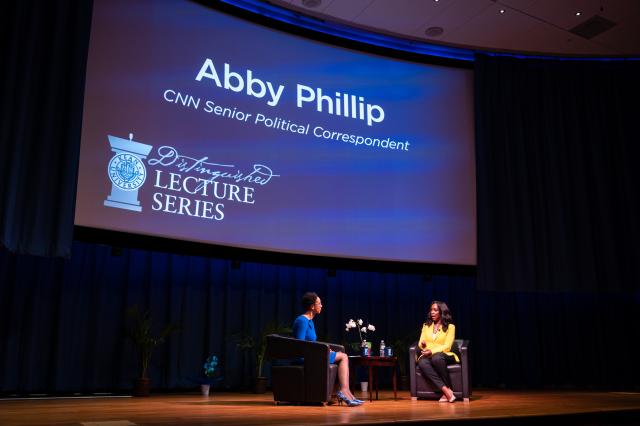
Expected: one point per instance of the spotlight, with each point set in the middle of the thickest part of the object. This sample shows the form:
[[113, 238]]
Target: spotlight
[[434, 31], [311, 3]]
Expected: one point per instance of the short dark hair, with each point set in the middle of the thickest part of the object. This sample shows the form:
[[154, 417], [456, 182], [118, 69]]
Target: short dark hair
[[308, 300]]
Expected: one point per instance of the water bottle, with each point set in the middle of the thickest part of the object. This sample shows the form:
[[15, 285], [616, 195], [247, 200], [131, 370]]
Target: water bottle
[[381, 347], [365, 348]]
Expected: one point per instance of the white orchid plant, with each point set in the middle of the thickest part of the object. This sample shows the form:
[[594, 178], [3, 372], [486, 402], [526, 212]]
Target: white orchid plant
[[362, 329]]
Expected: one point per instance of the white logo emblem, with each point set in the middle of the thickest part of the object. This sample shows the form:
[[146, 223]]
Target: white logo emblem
[[126, 171]]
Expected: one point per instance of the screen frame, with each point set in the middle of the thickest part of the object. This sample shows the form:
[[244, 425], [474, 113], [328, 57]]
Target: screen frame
[[120, 239]]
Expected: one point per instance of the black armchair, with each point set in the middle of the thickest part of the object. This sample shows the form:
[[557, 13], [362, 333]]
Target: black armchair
[[459, 373], [306, 375]]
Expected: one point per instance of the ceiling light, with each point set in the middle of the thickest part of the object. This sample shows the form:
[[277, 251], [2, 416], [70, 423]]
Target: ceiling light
[[501, 10], [434, 31], [578, 13], [311, 3]]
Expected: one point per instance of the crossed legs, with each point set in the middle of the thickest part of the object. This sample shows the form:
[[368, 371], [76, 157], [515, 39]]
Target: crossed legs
[[342, 360], [435, 369]]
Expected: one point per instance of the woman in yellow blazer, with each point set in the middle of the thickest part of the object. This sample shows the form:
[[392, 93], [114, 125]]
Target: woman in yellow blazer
[[435, 344]]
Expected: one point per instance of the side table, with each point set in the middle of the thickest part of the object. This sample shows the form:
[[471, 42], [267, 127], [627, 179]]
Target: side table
[[377, 361]]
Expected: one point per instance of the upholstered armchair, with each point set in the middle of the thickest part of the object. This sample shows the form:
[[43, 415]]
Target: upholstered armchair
[[459, 373], [300, 369]]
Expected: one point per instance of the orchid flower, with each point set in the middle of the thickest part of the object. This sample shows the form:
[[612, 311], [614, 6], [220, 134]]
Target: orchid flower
[[359, 325]]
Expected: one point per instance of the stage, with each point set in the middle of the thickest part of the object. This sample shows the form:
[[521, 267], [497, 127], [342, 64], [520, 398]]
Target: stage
[[486, 407]]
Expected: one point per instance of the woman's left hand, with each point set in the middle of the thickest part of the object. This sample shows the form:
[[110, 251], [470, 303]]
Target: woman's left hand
[[426, 352]]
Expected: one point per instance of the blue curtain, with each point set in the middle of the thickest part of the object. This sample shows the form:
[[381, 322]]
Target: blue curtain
[[62, 322], [43, 46], [557, 152]]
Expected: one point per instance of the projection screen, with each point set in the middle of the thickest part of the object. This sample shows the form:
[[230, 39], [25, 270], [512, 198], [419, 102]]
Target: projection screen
[[201, 126]]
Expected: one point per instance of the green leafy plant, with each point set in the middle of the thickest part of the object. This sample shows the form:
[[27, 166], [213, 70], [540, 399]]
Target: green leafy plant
[[401, 351], [139, 330], [246, 341]]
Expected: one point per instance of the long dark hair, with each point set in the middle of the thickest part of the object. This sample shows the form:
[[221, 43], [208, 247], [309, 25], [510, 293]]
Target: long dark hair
[[445, 314], [308, 300]]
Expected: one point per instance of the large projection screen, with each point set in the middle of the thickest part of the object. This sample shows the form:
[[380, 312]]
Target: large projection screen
[[201, 126]]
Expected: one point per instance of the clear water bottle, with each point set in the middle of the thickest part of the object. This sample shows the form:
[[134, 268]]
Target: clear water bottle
[[365, 348], [381, 347]]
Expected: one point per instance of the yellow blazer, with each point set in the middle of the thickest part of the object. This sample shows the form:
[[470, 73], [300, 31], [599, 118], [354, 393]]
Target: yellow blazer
[[442, 342]]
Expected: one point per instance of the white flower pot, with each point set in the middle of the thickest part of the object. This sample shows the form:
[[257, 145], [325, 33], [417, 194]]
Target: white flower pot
[[364, 386], [205, 389]]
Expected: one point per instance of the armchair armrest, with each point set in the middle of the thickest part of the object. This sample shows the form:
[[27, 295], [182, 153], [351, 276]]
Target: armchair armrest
[[283, 347], [412, 351], [412, 368], [334, 347], [464, 364]]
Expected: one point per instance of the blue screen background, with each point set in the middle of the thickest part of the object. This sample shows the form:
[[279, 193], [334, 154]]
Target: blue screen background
[[330, 198]]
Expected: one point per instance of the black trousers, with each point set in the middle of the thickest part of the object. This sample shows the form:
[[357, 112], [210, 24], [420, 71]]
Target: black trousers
[[435, 369]]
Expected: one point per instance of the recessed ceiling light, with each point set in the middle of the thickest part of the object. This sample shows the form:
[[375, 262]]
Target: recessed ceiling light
[[578, 13], [501, 10], [434, 31], [311, 3]]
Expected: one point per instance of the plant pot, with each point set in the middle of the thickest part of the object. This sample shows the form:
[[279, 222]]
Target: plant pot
[[141, 387], [261, 384], [364, 386], [204, 389]]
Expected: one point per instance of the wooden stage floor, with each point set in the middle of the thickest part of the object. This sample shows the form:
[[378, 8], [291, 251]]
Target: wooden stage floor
[[486, 407]]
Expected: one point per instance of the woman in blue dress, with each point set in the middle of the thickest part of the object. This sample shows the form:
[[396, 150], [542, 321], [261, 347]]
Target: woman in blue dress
[[304, 329]]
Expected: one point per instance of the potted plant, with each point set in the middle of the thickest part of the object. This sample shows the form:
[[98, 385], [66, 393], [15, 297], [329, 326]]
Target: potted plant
[[401, 351], [245, 341], [139, 330], [210, 373], [357, 347]]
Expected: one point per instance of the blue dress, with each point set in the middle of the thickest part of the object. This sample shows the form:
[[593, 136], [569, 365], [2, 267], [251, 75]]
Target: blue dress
[[304, 329]]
